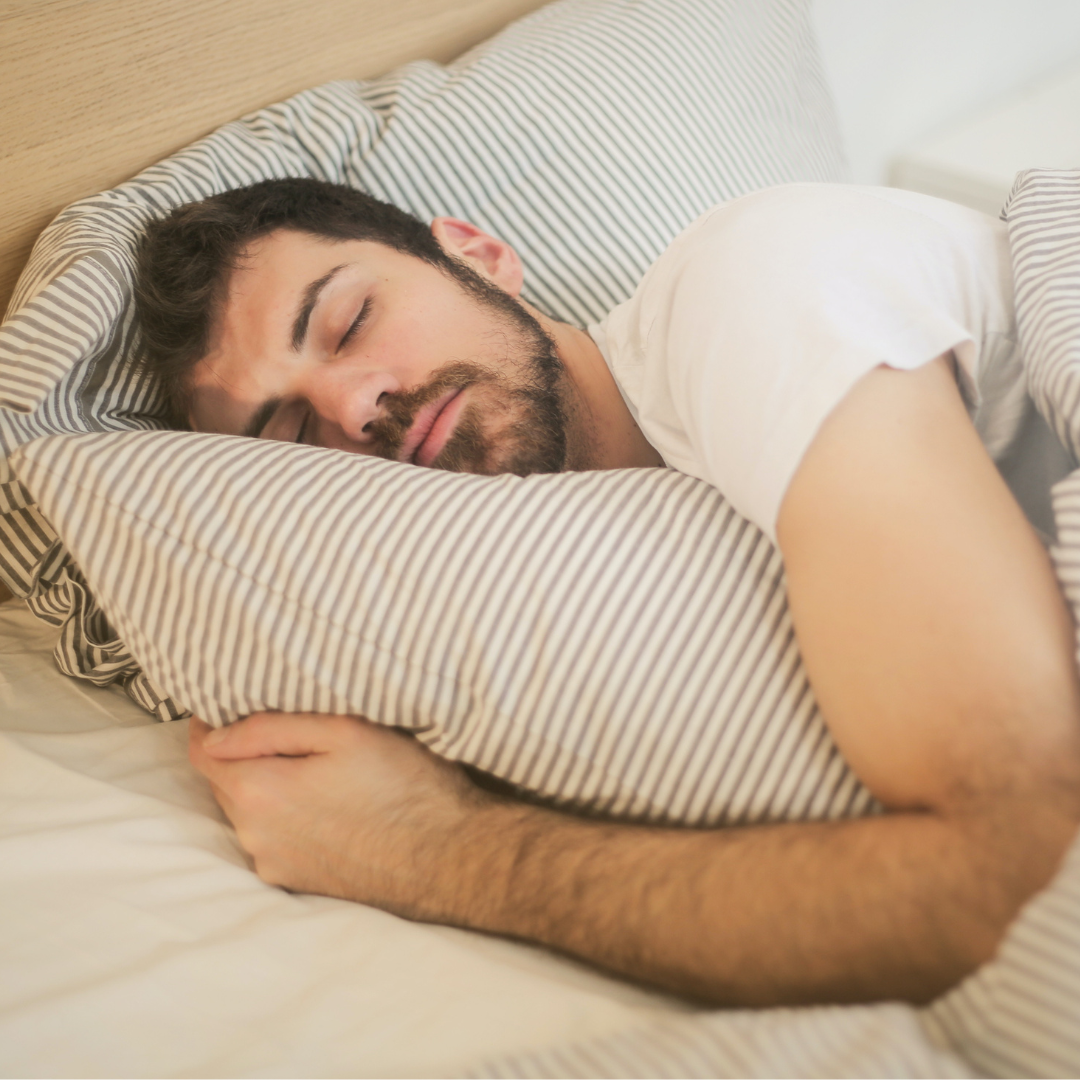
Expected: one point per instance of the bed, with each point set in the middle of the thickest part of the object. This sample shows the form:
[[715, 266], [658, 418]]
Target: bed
[[137, 941]]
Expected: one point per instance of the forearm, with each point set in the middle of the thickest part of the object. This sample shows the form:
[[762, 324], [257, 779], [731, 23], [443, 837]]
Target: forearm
[[942, 657], [900, 906]]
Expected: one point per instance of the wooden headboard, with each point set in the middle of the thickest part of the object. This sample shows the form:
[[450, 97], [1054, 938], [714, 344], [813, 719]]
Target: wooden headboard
[[92, 91]]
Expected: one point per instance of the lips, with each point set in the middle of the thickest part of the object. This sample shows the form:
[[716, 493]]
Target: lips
[[431, 429]]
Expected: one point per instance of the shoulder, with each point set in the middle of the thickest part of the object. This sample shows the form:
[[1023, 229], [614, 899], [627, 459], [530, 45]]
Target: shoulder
[[808, 218], [832, 253]]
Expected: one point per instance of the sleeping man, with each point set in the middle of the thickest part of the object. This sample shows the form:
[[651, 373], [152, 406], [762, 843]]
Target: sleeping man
[[818, 353]]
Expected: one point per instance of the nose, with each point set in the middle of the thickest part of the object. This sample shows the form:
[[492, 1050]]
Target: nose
[[346, 400]]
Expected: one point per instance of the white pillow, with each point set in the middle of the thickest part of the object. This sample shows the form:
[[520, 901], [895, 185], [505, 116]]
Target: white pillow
[[588, 135], [618, 641]]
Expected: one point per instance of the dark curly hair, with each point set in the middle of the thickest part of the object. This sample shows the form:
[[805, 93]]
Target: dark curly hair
[[187, 258]]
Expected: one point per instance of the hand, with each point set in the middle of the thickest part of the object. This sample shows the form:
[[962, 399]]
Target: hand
[[339, 806]]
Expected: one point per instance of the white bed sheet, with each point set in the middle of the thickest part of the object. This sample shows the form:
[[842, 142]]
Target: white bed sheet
[[136, 941]]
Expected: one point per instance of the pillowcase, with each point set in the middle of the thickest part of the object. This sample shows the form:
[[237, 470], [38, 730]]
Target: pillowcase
[[587, 134], [616, 641]]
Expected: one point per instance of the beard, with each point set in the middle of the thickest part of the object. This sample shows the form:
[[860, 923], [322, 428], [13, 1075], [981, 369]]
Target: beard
[[515, 421]]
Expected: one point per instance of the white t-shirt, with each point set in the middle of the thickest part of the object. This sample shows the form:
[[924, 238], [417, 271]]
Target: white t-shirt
[[757, 320]]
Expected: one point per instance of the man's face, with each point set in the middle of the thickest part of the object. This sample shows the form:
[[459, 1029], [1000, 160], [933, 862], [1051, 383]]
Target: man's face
[[355, 346]]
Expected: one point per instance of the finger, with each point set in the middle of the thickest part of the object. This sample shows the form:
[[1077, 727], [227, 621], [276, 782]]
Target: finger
[[202, 761], [277, 734], [197, 732], [210, 769]]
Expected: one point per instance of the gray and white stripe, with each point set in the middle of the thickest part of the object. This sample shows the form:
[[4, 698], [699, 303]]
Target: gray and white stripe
[[588, 135], [614, 641]]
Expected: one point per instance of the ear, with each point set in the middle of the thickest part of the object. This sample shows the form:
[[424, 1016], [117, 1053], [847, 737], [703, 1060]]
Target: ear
[[493, 258]]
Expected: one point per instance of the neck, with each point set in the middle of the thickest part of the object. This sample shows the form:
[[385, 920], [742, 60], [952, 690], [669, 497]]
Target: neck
[[602, 434]]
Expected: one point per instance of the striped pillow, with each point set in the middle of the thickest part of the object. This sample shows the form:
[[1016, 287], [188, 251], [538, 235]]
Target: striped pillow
[[588, 135], [616, 641]]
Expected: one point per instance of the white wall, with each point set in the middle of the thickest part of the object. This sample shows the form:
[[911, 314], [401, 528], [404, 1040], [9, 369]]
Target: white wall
[[900, 69]]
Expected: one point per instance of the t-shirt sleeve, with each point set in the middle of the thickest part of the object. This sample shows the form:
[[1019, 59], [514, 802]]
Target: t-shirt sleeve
[[749, 331]]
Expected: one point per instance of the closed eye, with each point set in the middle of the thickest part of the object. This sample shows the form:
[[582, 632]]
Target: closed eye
[[356, 324], [303, 427]]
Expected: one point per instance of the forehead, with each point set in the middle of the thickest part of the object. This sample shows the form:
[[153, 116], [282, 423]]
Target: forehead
[[273, 274], [285, 259]]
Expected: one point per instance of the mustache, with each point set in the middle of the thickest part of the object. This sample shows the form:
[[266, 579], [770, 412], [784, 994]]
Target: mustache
[[399, 410]]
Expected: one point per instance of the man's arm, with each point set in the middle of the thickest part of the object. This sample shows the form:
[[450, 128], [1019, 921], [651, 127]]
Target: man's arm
[[941, 652]]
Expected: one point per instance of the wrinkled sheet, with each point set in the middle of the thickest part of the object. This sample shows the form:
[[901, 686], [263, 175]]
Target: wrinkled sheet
[[135, 940]]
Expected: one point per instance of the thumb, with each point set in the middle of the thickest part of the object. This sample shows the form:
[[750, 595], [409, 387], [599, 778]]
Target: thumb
[[270, 735]]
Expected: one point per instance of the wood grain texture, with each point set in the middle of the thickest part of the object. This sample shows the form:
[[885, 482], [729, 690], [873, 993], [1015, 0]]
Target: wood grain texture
[[92, 91]]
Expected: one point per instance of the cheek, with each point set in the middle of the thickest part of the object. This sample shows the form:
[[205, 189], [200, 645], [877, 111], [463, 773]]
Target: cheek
[[432, 329]]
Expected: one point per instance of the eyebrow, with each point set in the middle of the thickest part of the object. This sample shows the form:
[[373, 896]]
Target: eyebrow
[[311, 298]]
